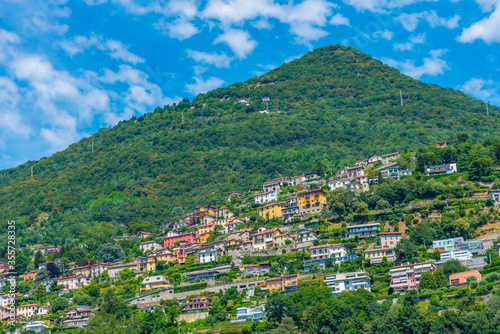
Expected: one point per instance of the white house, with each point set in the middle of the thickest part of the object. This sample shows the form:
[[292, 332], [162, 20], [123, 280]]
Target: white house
[[348, 281], [460, 255], [256, 313], [150, 245], [266, 197], [442, 169], [6, 299], [36, 326], [207, 255]]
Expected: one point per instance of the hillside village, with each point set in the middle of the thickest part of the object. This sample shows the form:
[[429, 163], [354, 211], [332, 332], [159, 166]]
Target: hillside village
[[270, 238]]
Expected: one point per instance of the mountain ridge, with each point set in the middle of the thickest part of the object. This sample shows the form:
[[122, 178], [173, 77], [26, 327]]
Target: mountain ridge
[[337, 105]]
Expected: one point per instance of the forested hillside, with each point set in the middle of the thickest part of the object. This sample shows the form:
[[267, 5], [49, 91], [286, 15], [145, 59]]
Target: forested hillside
[[337, 105]]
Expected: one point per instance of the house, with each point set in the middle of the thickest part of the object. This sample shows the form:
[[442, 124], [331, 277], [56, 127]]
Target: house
[[154, 283], [207, 255], [256, 313], [30, 275], [223, 213], [143, 235], [407, 277], [460, 279], [257, 269], [442, 144], [348, 281], [240, 234], [290, 208], [98, 268], [171, 233], [231, 225], [271, 186], [363, 230], [200, 212], [284, 284], [374, 158], [310, 176], [244, 101], [350, 172], [282, 181], [149, 246], [266, 197], [339, 183], [494, 195], [265, 99], [442, 169], [29, 310], [72, 281], [164, 255], [47, 250], [187, 238], [445, 245], [264, 240], [230, 197], [390, 170], [204, 275], [388, 158], [6, 299], [78, 313], [307, 235], [196, 304], [319, 255], [85, 271], [460, 255], [114, 271], [78, 322], [311, 202], [295, 180], [7, 313], [279, 240], [36, 326], [375, 255], [389, 239], [271, 210], [206, 228]]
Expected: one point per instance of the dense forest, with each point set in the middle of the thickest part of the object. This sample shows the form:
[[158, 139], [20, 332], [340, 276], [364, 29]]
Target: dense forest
[[336, 105]]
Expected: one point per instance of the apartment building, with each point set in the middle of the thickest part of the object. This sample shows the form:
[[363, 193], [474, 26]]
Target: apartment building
[[319, 255], [389, 239], [348, 281], [460, 255], [266, 197], [196, 304], [153, 283], [311, 202], [265, 239], [271, 210], [363, 230], [284, 284], [375, 255], [407, 277], [291, 208]]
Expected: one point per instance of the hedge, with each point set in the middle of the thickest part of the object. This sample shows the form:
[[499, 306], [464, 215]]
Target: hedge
[[192, 287]]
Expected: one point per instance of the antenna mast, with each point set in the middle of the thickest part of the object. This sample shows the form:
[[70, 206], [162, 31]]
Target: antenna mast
[[487, 108], [31, 171], [401, 97]]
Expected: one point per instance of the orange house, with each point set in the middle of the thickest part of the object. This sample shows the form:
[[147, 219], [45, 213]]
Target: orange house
[[29, 275], [170, 241], [203, 238], [460, 279]]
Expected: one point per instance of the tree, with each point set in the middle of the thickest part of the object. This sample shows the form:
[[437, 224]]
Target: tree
[[42, 275], [110, 253], [427, 282], [178, 212], [319, 169], [53, 270], [59, 304], [406, 250], [39, 258], [275, 307], [452, 267], [22, 262], [480, 167]]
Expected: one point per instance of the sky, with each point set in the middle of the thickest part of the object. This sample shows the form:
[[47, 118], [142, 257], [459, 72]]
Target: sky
[[71, 67]]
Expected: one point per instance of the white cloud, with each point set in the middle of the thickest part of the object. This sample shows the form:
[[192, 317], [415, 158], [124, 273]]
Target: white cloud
[[115, 49], [487, 29], [210, 58], [339, 20], [239, 41], [12, 121], [410, 21], [203, 86], [262, 24], [486, 90], [180, 29], [414, 39], [381, 5], [385, 34], [432, 66]]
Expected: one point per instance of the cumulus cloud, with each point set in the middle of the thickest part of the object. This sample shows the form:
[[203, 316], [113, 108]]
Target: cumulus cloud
[[414, 39], [381, 5], [203, 86], [431, 66], [486, 90], [486, 29], [339, 20], [115, 49], [180, 28], [410, 21], [239, 41], [210, 58], [385, 34]]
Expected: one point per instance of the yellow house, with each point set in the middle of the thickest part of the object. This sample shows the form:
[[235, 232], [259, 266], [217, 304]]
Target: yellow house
[[203, 238], [166, 256], [207, 228], [272, 210], [287, 283], [151, 263], [312, 202], [155, 283]]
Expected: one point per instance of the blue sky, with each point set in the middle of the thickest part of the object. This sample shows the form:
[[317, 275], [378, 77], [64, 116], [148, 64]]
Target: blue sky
[[70, 67]]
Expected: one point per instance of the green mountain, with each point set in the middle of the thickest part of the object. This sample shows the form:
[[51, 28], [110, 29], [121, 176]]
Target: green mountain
[[336, 105]]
